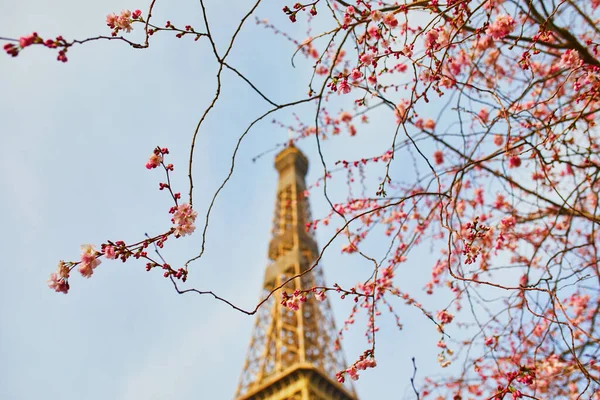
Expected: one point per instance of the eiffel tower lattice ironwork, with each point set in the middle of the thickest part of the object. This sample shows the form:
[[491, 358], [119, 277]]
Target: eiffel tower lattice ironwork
[[293, 354]]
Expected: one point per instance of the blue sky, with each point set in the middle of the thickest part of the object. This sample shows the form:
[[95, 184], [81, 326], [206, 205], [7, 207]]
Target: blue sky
[[76, 137]]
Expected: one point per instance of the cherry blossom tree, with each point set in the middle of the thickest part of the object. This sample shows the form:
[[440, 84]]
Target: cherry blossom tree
[[495, 104]]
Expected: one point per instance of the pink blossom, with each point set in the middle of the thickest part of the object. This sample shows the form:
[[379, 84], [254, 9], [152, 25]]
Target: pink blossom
[[343, 87], [89, 260], [57, 283], [111, 20], [400, 112], [570, 59], [431, 39], [390, 20], [109, 252], [320, 296], [376, 15], [438, 157], [445, 317], [499, 202], [347, 19], [11, 49], [28, 40], [322, 70], [484, 43], [426, 76], [498, 140], [292, 305], [58, 280], [447, 82], [184, 217], [429, 124], [136, 14], [123, 21], [366, 363], [508, 222], [501, 27], [373, 32], [61, 56], [483, 115], [454, 65], [366, 58], [352, 373], [356, 74], [400, 67], [154, 161], [345, 116], [514, 162], [293, 302], [478, 192]]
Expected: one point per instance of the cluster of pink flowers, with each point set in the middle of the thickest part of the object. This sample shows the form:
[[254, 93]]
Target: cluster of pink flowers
[[383, 283], [491, 341], [428, 124], [580, 308], [299, 7], [26, 41], [110, 252], [505, 225], [352, 373], [390, 20], [431, 38], [376, 15], [11, 49], [570, 59], [344, 87], [367, 59], [89, 260], [122, 21], [183, 217], [400, 111], [58, 280], [484, 115], [365, 361], [356, 75], [373, 31], [501, 27], [320, 296], [445, 317], [514, 162], [438, 157], [348, 15], [498, 140], [154, 160], [293, 302], [474, 232]]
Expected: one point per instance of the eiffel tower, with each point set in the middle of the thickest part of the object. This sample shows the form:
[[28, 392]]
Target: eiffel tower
[[293, 355]]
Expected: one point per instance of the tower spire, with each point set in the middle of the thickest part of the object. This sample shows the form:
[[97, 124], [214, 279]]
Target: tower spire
[[292, 354]]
